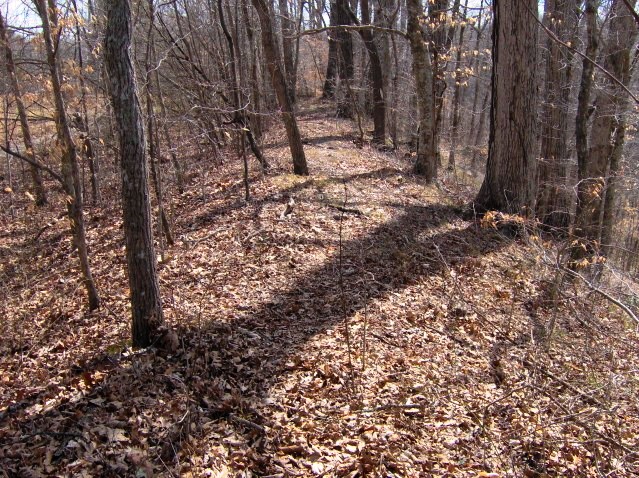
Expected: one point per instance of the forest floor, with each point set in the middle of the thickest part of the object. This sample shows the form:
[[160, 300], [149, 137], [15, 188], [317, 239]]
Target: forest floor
[[366, 330]]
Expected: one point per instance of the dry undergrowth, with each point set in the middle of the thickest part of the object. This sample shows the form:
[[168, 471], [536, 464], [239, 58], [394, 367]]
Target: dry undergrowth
[[411, 344]]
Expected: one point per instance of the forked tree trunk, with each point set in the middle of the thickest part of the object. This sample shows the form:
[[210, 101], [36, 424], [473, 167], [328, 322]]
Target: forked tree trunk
[[70, 169], [426, 164], [280, 87], [509, 183], [146, 307], [36, 177]]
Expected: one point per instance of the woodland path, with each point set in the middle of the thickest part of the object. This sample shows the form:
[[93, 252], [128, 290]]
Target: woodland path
[[383, 339]]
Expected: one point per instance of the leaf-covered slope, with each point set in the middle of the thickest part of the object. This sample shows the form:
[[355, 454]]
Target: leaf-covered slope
[[350, 323]]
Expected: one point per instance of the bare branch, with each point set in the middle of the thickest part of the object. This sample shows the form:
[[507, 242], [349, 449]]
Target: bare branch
[[33, 162], [632, 11], [585, 57], [355, 28], [605, 294]]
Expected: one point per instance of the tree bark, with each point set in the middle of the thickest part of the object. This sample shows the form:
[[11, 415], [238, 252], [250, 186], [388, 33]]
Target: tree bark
[[70, 169], [599, 162], [146, 308], [553, 208], [281, 90], [426, 164], [377, 78], [509, 183], [288, 30]]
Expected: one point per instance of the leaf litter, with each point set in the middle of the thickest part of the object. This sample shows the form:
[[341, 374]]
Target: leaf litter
[[411, 344]]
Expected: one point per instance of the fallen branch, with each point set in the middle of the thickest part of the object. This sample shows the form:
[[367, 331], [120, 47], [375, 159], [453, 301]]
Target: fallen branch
[[392, 406], [386, 341], [347, 209], [591, 429], [247, 423], [587, 398], [594, 288]]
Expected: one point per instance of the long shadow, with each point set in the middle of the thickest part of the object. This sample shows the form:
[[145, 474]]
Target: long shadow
[[224, 370]]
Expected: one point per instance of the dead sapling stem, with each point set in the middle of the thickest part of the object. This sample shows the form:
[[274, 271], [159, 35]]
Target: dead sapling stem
[[347, 333], [365, 325], [247, 191]]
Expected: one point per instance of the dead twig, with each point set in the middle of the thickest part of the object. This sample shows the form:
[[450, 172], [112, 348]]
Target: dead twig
[[247, 423], [587, 398]]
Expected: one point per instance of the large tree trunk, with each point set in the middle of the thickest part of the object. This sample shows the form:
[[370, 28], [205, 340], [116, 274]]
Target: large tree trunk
[[601, 160], [426, 164], [146, 308], [340, 59], [581, 227], [340, 49], [36, 177], [509, 184], [70, 169], [553, 208], [280, 87]]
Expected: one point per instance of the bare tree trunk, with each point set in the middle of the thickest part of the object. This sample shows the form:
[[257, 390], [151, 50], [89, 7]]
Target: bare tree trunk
[[553, 207], [280, 87], [255, 117], [83, 121], [479, 31], [480, 129], [239, 115], [330, 82], [441, 40], [154, 142], [456, 96], [146, 307], [509, 183], [70, 169], [288, 30], [426, 164], [36, 177], [340, 59], [377, 78], [177, 166], [606, 137], [583, 229]]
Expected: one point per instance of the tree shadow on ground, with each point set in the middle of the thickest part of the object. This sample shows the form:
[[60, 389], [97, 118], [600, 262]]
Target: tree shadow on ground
[[224, 369]]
